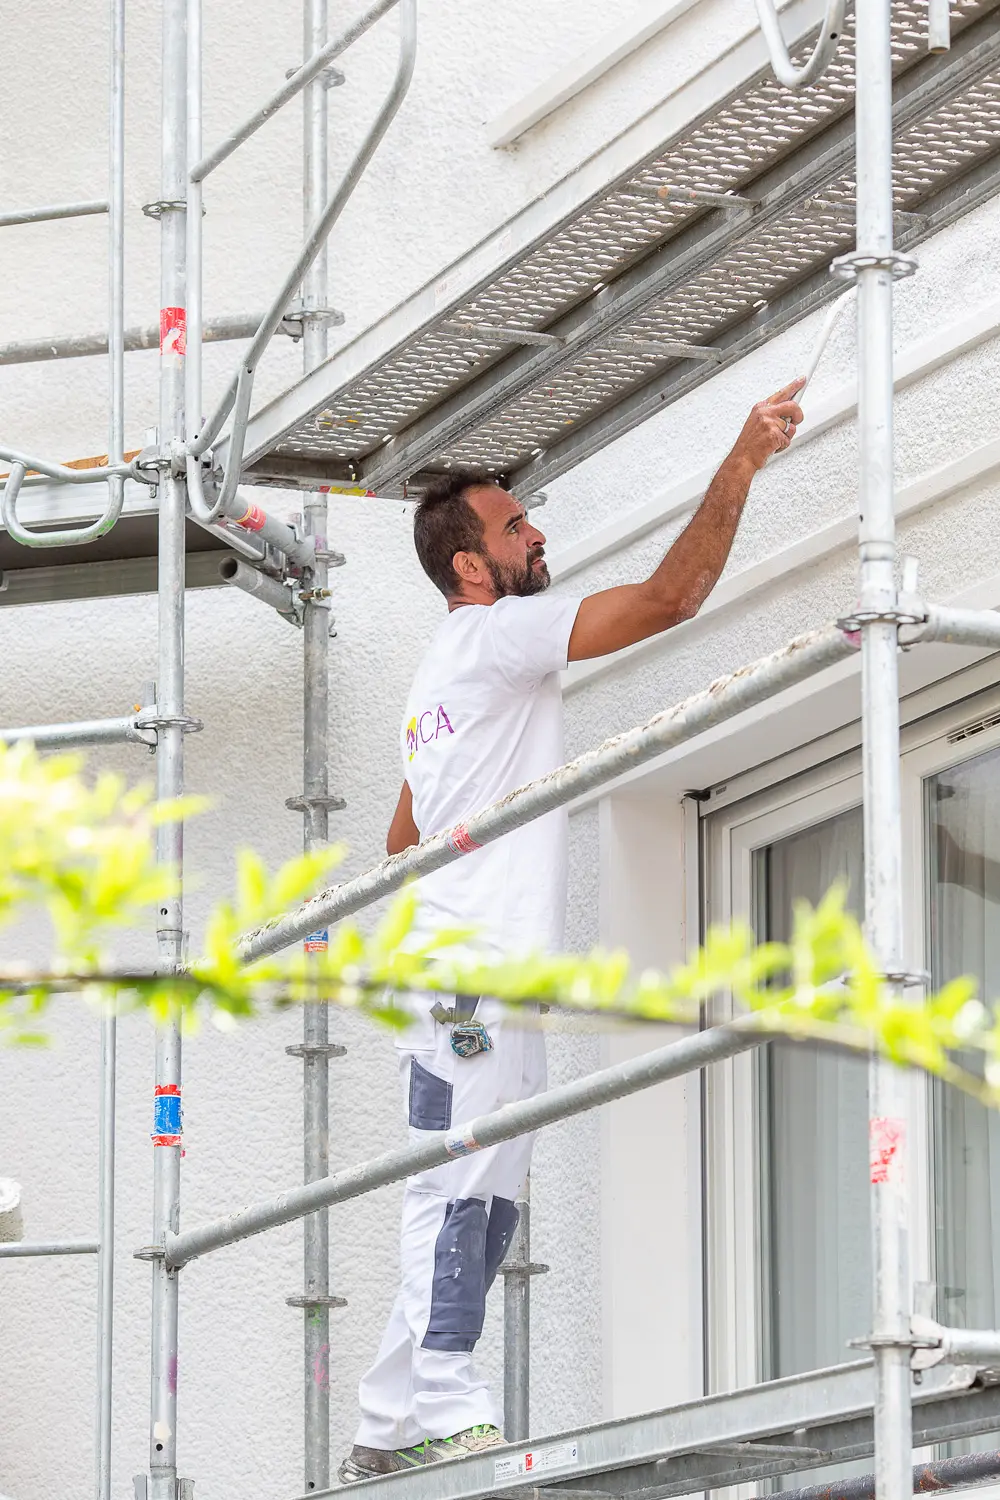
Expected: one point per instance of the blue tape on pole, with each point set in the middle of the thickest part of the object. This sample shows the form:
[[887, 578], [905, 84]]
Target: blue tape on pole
[[167, 1115]]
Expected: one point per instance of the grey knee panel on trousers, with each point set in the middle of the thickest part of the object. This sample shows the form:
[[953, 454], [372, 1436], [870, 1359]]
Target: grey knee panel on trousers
[[458, 1297], [499, 1232]]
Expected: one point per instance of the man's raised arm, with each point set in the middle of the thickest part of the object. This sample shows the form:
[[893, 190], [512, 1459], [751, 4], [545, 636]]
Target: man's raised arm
[[689, 572]]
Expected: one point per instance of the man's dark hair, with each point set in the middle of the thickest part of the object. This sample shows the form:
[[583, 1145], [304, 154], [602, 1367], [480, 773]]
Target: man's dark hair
[[445, 523]]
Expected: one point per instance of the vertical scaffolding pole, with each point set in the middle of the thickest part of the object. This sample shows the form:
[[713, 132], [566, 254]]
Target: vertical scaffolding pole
[[889, 1142], [315, 186], [316, 1050], [316, 1300], [105, 1256], [516, 1272], [109, 1025], [170, 738]]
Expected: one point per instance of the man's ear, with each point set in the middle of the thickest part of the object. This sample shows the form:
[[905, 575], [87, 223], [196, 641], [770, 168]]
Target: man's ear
[[468, 567]]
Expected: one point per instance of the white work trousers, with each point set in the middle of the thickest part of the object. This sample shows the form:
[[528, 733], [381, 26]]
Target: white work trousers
[[458, 1220]]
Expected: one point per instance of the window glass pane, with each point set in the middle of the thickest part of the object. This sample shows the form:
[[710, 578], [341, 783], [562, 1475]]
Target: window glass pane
[[963, 828], [816, 1257]]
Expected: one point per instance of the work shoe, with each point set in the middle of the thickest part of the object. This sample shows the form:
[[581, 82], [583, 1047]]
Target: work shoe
[[472, 1440], [369, 1463]]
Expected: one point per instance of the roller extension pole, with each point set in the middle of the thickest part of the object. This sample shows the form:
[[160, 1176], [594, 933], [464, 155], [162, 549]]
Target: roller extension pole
[[315, 812], [170, 745], [889, 1126]]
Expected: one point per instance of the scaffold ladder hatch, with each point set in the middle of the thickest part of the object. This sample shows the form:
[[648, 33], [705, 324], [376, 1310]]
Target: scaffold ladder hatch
[[700, 232]]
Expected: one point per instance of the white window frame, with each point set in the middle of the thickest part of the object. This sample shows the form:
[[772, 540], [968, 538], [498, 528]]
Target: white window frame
[[772, 808]]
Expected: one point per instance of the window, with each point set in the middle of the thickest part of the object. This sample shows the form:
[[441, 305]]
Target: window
[[963, 924], [788, 1278], [813, 1129]]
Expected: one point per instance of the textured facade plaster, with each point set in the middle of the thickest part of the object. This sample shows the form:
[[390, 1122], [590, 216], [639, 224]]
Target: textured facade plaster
[[434, 190]]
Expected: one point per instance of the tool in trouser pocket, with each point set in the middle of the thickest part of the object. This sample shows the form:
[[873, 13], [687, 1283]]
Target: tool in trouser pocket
[[468, 1036]]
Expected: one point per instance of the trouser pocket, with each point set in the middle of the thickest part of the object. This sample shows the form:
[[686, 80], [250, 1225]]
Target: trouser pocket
[[430, 1099]]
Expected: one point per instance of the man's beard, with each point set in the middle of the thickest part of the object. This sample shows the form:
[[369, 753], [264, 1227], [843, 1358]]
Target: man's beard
[[509, 579]]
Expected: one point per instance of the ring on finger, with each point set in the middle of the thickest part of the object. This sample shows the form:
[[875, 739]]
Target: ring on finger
[[787, 421]]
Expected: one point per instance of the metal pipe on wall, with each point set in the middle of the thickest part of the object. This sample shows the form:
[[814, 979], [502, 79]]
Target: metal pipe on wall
[[170, 742], [889, 1128]]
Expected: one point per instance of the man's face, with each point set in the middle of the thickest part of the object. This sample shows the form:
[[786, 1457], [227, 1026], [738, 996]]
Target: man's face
[[513, 551]]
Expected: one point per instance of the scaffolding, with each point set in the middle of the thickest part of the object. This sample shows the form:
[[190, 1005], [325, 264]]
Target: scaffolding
[[691, 239]]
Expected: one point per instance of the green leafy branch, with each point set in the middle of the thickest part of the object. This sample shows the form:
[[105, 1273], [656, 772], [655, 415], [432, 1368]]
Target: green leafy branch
[[83, 855]]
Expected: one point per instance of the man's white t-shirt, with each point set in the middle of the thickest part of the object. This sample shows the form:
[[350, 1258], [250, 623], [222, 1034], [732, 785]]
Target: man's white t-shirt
[[484, 716]]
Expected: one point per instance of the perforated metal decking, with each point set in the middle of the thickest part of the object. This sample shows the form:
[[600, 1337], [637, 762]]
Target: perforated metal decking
[[628, 283]]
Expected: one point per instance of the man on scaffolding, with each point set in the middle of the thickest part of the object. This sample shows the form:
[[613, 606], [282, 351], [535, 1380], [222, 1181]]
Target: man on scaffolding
[[484, 716]]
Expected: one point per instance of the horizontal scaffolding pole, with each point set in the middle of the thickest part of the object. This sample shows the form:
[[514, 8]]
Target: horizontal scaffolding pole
[[278, 534], [955, 627], [948, 1474], [53, 211], [724, 699], [83, 345], [937, 1345], [23, 1249], [685, 1056], [87, 732], [241, 575]]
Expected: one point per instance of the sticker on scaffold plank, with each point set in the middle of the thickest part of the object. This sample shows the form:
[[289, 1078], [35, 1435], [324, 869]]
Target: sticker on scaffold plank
[[173, 333], [885, 1149], [536, 1461], [167, 1115], [462, 841], [463, 1143], [317, 942]]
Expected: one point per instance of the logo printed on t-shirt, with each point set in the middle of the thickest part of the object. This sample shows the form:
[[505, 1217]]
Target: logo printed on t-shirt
[[425, 727]]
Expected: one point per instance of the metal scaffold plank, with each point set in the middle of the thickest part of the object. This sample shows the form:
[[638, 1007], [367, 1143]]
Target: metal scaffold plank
[[631, 264], [781, 1427]]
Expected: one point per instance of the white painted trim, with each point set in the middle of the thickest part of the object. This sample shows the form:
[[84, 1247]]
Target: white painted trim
[[579, 74], [912, 364], [979, 464]]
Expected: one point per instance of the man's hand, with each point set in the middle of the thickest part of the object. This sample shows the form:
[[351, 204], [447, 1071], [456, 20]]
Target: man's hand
[[769, 428], [621, 616]]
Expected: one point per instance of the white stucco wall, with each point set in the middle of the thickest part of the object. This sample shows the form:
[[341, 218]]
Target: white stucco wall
[[434, 191]]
